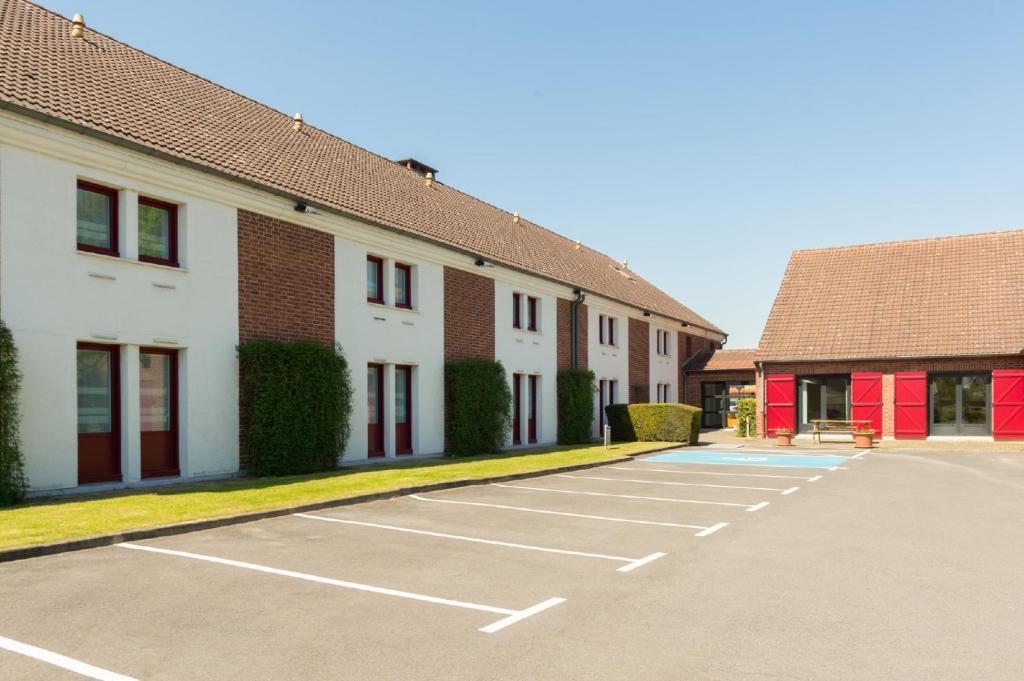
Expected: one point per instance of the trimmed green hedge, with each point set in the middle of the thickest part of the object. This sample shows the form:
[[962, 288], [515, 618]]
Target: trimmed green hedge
[[296, 406], [478, 407], [746, 413], [654, 422], [575, 406], [13, 483]]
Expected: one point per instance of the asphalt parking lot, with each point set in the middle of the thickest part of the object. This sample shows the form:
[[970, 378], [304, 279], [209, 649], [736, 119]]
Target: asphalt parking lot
[[707, 563]]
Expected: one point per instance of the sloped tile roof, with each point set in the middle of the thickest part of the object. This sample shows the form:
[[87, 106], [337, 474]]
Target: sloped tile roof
[[105, 86], [946, 297], [733, 359]]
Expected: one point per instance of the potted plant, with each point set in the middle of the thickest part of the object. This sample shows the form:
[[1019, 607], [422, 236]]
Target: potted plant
[[784, 437], [863, 436]]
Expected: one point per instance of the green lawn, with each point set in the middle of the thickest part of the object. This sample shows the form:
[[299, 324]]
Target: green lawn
[[56, 520]]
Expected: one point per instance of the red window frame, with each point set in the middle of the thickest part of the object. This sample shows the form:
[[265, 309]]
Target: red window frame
[[403, 430], [611, 330], [517, 409], [531, 418], [172, 232], [113, 194], [531, 313], [517, 322], [375, 430], [380, 280], [600, 329], [407, 303], [99, 454], [164, 442]]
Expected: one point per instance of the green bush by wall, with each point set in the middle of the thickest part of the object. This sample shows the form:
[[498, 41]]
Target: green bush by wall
[[478, 407], [296, 406], [575, 406], [13, 483], [654, 422], [746, 415]]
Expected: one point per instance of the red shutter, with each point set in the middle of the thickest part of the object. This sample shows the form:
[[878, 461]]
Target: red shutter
[[866, 399], [911, 404], [780, 402], [1008, 404]]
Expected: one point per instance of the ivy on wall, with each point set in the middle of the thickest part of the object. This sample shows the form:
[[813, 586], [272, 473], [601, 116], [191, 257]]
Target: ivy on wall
[[575, 406], [13, 483], [478, 407]]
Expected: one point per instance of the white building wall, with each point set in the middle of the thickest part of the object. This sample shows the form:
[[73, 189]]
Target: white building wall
[[385, 334], [54, 296], [522, 351], [664, 369], [608, 362]]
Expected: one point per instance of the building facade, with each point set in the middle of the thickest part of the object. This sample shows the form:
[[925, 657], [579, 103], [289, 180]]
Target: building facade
[[138, 250]]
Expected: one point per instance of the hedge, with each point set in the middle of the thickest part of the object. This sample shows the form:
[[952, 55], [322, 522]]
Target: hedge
[[654, 422], [296, 406], [746, 413], [478, 407], [575, 406], [13, 483]]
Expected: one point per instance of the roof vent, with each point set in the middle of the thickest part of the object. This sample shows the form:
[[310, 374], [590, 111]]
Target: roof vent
[[414, 165], [297, 122], [515, 217], [578, 244], [625, 264], [78, 27], [430, 179]]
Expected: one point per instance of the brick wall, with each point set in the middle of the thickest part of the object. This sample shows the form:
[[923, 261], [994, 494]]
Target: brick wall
[[695, 379], [639, 361], [285, 281], [564, 341], [888, 368], [468, 315]]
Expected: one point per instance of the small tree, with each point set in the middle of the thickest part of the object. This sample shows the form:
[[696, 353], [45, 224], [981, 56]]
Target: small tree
[[296, 406], [746, 417], [575, 406], [478, 407], [13, 483]]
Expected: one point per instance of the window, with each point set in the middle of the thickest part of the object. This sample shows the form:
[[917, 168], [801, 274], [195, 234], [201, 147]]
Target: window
[[403, 286], [99, 413], [531, 411], [531, 313], [600, 329], [663, 343], [612, 324], [374, 279], [517, 322], [663, 392], [606, 328], [158, 232], [158, 411], [823, 398], [97, 219]]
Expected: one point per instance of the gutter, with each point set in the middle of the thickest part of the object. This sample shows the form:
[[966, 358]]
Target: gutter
[[764, 416], [146, 150]]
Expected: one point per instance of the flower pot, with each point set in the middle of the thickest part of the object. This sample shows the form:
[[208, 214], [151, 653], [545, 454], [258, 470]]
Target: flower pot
[[784, 439], [863, 440]]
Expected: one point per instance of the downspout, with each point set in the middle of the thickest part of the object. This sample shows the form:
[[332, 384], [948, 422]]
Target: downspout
[[764, 422], [574, 354]]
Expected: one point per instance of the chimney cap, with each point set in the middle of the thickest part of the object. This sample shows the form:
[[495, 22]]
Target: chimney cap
[[413, 164], [78, 26]]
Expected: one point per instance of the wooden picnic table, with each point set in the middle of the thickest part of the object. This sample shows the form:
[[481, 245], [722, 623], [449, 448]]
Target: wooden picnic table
[[836, 426]]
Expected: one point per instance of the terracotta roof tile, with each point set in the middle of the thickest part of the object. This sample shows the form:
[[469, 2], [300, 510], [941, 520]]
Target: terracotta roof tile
[[104, 85], [733, 359], [945, 297]]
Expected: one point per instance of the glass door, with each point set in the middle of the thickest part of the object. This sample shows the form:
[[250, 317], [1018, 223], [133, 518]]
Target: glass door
[[158, 411], [823, 398], [375, 409], [403, 410], [99, 413], [960, 404], [711, 397]]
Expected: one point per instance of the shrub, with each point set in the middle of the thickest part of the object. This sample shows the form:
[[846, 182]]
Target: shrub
[[478, 407], [575, 406], [13, 483], [746, 417], [296, 406], [654, 422]]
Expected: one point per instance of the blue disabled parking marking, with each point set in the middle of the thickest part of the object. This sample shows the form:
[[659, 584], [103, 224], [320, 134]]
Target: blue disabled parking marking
[[740, 458]]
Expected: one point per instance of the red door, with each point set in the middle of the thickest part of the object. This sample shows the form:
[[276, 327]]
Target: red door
[[375, 409], [1008, 404], [517, 409], [866, 399], [158, 403], [911, 404], [99, 413], [403, 410], [780, 403], [531, 415]]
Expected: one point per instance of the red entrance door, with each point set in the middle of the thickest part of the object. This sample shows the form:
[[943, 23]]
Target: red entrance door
[[99, 413], [403, 410], [531, 415], [158, 398], [375, 409], [517, 409]]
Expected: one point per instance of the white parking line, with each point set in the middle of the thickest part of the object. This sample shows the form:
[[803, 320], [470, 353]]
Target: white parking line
[[860, 454], [737, 475], [757, 507], [511, 616], [62, 661], [789, 491], [712, 529], [626, 496], [564, 513], [667, 482], [633, 563]]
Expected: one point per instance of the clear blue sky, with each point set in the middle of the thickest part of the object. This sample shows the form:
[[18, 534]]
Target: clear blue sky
[[702, 141]]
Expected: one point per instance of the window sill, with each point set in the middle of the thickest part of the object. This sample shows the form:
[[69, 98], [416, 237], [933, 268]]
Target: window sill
[[391, 308], [127, 261]]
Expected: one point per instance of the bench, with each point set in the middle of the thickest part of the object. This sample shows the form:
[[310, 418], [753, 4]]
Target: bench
[[836, 426]]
